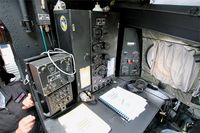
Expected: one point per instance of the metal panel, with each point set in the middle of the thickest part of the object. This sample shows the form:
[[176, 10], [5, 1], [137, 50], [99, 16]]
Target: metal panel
[[130, 56], [75, 39], [181, 23], [25, 44], [104, 29]]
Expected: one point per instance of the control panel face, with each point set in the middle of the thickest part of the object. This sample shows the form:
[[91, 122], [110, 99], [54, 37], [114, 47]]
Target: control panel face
[[47, 77], [103, 49], [130, 56], [52, 78], [60, 98]]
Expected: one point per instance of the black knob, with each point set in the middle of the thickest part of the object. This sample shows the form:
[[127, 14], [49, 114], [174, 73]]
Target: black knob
[[102, 72], [95, 88], [97, 47]]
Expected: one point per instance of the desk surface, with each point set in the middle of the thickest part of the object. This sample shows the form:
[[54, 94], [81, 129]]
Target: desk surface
[[117, 123]]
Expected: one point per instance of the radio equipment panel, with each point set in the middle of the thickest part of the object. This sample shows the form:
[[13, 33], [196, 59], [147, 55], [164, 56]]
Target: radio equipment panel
[[130, 56], [104, 48], [52, 86]]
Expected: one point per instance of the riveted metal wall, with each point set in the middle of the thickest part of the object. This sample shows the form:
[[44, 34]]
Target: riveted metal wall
[[25, 44]]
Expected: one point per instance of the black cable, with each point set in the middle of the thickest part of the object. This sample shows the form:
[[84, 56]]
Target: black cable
[[153, 102], [53, 39], [50, 40], [167, 106]]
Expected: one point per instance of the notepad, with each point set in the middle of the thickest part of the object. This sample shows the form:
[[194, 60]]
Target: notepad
[[125, 103], [83, 120]]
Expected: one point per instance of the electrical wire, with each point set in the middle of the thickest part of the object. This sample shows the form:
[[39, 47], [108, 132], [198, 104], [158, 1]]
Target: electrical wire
[[43, 38], [138, 81], [60, 51]]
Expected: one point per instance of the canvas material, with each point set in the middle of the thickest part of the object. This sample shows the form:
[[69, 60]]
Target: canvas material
[[185, 79]]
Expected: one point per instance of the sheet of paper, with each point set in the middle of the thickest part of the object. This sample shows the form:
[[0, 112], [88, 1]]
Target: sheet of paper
[[83, 120], [85, 77]]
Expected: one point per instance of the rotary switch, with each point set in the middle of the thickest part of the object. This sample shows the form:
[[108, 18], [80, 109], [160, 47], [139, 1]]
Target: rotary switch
[[101, 71]]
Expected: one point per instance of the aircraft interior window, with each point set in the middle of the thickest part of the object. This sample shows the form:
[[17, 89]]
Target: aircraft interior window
[[7, 54]]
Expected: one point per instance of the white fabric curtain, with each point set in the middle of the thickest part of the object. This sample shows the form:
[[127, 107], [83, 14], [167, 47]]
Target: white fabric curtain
[[173, 64]]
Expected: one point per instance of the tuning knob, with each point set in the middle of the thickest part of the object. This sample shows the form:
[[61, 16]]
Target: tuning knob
[[97, 47], [102, 71]]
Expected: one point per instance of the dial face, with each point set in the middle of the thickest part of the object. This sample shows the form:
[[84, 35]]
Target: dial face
[[150, 56]]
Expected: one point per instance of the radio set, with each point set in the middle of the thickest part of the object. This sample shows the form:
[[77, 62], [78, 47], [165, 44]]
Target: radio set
[[103, 48], [52, 77], [95, 53], [95, 50], [75, 39]]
